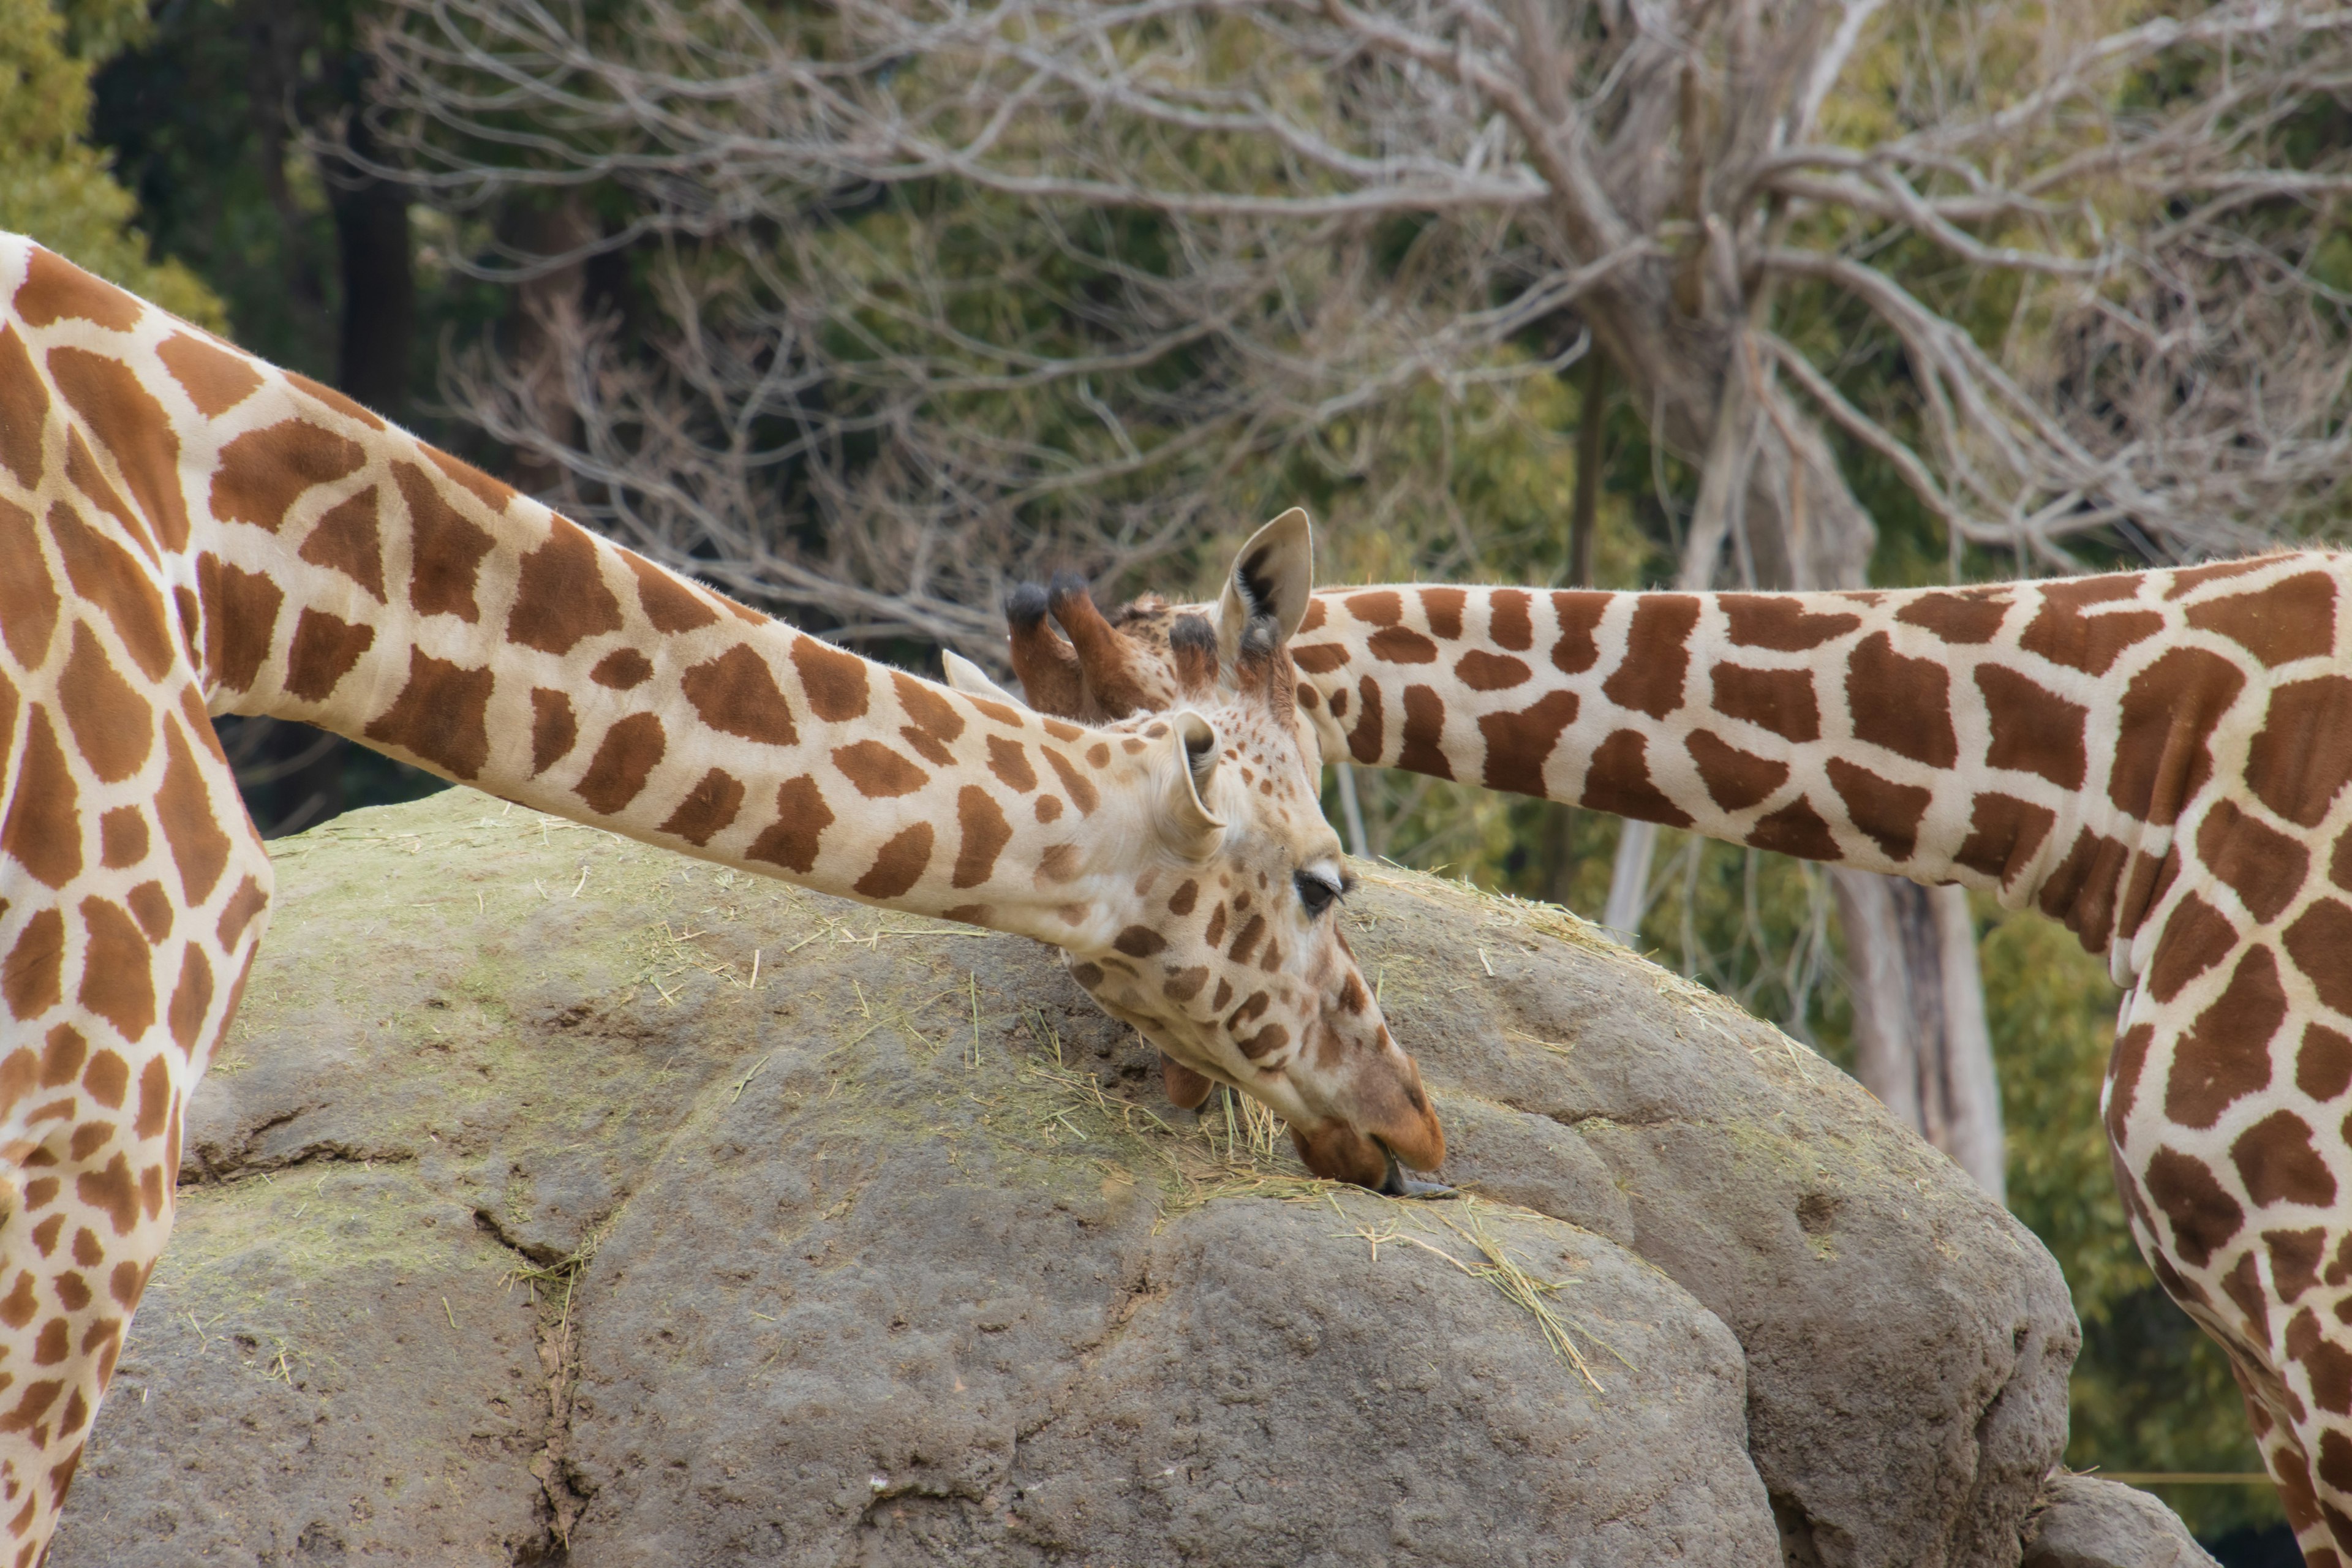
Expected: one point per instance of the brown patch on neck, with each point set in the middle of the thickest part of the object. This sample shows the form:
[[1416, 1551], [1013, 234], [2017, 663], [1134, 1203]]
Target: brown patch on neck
[[127, 420], [215, 379], [55, 290], [24, 410]]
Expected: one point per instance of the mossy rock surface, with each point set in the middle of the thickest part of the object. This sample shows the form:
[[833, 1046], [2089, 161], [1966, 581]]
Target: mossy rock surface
[[519, 1224]]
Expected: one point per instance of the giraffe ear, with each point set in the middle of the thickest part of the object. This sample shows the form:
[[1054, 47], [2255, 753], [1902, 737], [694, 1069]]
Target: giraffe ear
[[1188, 762], [968, 677], [1273, 576]]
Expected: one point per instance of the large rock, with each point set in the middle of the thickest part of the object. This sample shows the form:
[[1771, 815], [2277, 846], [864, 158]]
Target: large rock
[[2083, 1522], [518, 1225]]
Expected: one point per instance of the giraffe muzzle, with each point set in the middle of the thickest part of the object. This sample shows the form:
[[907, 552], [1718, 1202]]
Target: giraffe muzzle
[[1397, 1183]]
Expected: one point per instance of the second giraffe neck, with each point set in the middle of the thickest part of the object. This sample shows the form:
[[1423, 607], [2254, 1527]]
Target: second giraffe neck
[[2038, 740]]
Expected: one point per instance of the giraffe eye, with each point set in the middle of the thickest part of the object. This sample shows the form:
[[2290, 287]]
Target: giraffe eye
[[1316, 891]]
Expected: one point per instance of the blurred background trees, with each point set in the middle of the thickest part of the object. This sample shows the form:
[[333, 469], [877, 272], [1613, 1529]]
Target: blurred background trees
[[862, 311]]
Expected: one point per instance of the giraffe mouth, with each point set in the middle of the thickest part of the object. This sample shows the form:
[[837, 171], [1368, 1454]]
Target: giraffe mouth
[[1396, 1182]]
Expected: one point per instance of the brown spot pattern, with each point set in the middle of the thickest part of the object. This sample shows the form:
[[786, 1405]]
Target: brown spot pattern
[[1082, 792], [1658, 655], [122, 836], [440, 716], [43, 828], [2064, 631], [1508, 624], [192, 999], [1781, 701], [28, 598], [151, 906], [1903, 704], [116, 984], [1379, 608], [2322, 1067], [2262, 866], [1517, 745], [900, 864], [2196, 937], [112, 725], [833, 682], [801, 818], [2226, 1054], [2167, 715], [324, 650], [1319, 658], [32, 977], [215, 379], [346, 540], [1795, 829], [985, 832], [2204, 1217], [876, 770], [1010, 763], [2279, 1163], [623, 670], [2320, 944], [1401, 645], [240, 619], [1483, 671], [2034, 730], [1963, 620], [1735, 779], [1425, 729], [24, 410], [448, 558], [2291, 619], [553, 731], [561, 596], [736, 694], [1579, 613], [1617, 781], [107, 576], [248, 901], [2304, 753], [625, 759], [1887, 811], [668, 603], [1367, 740], [125, 416], [709, 807], [935, 719], [264, 472], [184, 807], [55, 290], [1783, 625]]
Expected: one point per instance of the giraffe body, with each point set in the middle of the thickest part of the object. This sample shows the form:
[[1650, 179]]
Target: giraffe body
[[2158, 759], [186, 530]]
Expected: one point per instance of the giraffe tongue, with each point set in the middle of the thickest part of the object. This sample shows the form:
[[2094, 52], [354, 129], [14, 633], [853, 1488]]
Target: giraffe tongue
[[1395, 1183]]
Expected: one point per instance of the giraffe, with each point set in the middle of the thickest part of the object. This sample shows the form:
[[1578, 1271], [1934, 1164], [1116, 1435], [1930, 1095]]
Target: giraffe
[[2156, 759], [187, 531]]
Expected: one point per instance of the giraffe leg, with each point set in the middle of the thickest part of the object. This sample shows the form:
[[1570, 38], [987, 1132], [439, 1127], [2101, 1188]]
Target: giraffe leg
[[89, 1209]]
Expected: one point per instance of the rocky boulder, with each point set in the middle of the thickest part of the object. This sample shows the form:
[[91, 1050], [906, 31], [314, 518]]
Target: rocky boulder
[[557, 1199]]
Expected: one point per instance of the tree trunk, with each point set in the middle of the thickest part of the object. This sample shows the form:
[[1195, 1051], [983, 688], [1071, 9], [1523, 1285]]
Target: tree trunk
[[1919, 1036], [379, 282]]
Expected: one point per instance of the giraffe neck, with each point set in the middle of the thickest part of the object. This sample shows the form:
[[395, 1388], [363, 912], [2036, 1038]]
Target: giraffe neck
[[324, 566], [2040, 740]]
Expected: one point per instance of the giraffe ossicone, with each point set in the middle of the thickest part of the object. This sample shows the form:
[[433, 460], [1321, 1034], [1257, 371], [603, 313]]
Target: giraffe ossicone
[[187, 531], [2159, 760]]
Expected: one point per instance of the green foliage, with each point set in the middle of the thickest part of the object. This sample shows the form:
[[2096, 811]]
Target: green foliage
[[53, 184]]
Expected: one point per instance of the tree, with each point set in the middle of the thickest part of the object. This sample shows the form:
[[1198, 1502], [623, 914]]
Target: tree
[[53, 184]]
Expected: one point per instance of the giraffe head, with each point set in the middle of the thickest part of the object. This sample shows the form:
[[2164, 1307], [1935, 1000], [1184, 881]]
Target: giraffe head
[[1237, 968]]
